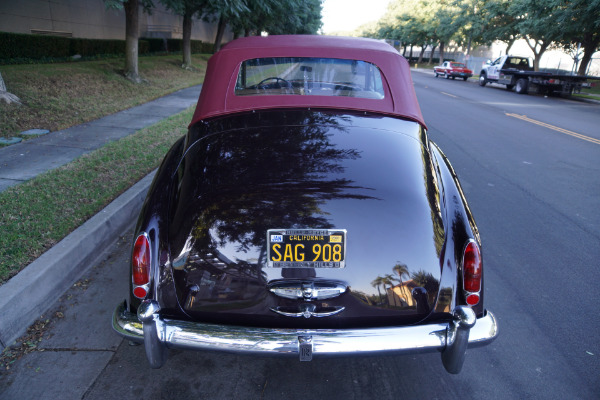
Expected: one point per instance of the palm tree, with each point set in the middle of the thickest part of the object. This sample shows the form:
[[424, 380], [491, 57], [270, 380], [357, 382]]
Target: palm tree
[[376, 283], [400, 270], [389, 280]]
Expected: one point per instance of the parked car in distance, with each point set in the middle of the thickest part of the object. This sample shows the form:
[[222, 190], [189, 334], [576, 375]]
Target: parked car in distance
[[452, 69], [306, 213]]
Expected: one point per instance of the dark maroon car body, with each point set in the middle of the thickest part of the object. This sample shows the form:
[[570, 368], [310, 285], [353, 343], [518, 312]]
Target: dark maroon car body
[[275, 168]]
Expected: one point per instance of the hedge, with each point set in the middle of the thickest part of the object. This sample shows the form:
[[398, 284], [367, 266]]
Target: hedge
[[16, 48]]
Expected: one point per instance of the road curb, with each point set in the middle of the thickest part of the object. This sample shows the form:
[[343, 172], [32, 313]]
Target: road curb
[[32, 291]]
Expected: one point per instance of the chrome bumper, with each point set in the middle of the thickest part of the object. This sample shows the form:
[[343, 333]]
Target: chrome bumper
[[158, 334]]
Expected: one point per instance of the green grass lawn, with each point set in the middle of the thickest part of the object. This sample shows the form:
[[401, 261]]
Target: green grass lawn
[[39, 213], [56, 96]]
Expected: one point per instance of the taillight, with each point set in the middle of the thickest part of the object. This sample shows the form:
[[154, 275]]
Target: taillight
[[140, 266], [472, 273]]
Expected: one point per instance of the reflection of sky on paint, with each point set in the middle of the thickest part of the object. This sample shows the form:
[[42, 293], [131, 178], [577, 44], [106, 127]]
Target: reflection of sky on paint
[[347, 15]]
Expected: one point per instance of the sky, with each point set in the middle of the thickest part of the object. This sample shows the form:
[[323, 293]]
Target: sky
[[347, 15]]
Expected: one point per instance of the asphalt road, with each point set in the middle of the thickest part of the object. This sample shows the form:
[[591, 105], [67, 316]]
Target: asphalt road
[[533, 184]]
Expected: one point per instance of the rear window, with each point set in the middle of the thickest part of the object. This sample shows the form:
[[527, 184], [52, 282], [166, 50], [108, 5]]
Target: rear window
[[303, 76]]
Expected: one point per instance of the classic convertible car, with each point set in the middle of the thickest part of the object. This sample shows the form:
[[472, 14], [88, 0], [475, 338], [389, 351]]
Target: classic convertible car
[[306, 213], [451, 69]]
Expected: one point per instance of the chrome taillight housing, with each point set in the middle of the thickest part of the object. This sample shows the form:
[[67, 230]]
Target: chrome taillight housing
[[140, 266], [472, 273]]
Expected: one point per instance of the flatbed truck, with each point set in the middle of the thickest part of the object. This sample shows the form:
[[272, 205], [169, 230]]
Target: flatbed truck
[[517, 73]]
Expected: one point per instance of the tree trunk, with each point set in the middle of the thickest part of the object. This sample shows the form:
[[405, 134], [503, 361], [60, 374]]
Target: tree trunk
[[442, 44], [589, 48], [187, 43], [421, 54], [538, 50], [510, 45], [131, 40], [220, 32], [410, 54], [433, 47]]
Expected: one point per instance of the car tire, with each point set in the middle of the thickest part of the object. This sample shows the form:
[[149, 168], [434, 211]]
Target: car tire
[[436, 74], [447, 76], [482, 79], [465, 79], [453, 77], [510, 87], [522, 86]]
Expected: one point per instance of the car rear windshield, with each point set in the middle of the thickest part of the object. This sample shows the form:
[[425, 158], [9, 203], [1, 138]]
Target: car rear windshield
[[309, 76]]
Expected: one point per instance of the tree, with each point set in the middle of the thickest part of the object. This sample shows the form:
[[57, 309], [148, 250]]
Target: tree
[[421, 22], [5, 96], [470, 22], [188, 9], [223, 11], [579, 22], [445, 27], [388, 279], [132, 8], [400, 270], [500, 24], [536, 23], [278, 17], [376, 283]]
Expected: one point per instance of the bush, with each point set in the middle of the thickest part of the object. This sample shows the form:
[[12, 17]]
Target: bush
[[143, 47], [19, 45], [155, 45], [207, 48], [174, 45], [197, 46], [93, 47], [19, 48]]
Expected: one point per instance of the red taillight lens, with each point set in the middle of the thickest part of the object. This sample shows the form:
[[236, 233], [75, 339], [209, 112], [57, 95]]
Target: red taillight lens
[[140, 261], [472, 268], [472, 299], [140, 292]]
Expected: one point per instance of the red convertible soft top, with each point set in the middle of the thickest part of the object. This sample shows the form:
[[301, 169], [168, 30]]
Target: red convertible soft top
[[218, 92]]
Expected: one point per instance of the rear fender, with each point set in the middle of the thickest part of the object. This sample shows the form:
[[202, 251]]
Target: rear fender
[[459, 227], [153, 221]]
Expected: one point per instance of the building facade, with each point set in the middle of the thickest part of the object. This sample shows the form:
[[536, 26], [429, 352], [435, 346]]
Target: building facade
[[91, 19]]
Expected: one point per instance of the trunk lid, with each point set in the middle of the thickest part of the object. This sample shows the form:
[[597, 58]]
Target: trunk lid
[[369, 176]]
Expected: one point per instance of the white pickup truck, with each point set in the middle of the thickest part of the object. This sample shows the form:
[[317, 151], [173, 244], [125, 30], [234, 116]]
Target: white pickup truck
[[517, 73]]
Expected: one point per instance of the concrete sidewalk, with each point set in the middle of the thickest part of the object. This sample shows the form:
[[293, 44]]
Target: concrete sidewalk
[[30, 293], [23, 161]]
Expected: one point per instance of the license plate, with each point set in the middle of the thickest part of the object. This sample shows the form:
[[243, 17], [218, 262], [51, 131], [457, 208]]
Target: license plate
[[306, 248]]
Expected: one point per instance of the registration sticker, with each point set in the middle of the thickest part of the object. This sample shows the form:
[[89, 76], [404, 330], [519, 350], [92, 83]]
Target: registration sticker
[[306, 248], [276, 238]]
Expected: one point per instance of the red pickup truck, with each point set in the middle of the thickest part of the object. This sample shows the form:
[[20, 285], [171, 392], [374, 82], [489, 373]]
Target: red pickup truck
[[451, 69]]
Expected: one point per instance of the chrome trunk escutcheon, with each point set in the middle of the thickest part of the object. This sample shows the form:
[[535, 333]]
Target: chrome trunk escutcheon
[[308, 310], [307, 290]]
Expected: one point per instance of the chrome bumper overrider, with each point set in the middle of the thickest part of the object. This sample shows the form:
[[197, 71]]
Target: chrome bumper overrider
[[158, 334]]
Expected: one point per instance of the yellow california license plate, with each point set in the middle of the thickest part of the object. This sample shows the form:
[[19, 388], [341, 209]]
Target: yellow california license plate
[[306, 248]]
